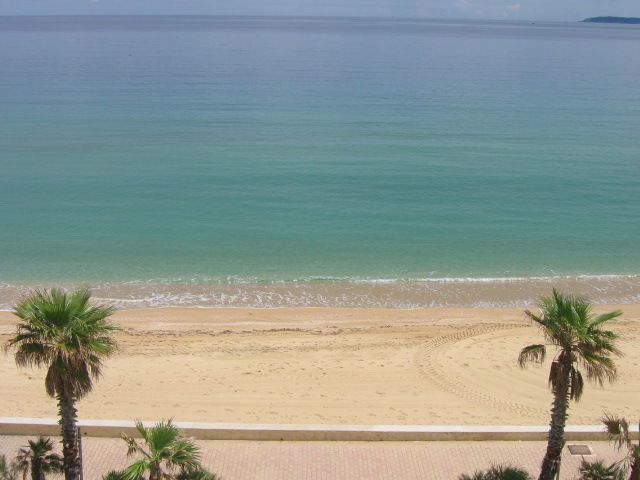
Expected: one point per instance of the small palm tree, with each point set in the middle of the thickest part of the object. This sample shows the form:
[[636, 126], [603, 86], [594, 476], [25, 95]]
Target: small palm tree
[[70, 337], [7, 472], [165, 453], [498, 472], [599, 471], [197, 475], [569, 325], [39, 458], [113, 475], [618, 429]]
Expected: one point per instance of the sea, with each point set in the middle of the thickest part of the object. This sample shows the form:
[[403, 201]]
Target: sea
[[220, 161]]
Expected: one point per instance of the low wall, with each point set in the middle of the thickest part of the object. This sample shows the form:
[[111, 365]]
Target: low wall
[[242, 431]]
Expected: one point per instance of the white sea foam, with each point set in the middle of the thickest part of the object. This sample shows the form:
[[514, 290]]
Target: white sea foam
[[361, 292]]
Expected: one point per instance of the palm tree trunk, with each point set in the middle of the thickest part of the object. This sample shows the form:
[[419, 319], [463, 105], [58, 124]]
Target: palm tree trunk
[[551, 463], [36, 470], [154, 473], [635, 470], [68, 421]]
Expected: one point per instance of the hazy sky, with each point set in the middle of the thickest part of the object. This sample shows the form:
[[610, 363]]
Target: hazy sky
[[517, 9]]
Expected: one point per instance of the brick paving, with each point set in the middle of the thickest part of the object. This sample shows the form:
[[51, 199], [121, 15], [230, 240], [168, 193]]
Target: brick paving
[[249, 460]]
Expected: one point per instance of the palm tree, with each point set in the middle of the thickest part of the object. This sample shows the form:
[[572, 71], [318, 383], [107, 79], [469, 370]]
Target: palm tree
[[38, 457], [165, 453], [599, 471], [569, 325], [498, 472], [618, 429], [196, 475], [7, 472], [70, 337], [113, 475]]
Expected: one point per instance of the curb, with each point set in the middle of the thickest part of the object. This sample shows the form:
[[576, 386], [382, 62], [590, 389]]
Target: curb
[[277, 432]]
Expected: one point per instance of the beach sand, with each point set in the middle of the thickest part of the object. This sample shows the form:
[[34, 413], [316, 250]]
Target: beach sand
[[441, 366]]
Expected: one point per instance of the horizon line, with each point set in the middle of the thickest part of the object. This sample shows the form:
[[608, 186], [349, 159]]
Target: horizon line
[[292, 16]]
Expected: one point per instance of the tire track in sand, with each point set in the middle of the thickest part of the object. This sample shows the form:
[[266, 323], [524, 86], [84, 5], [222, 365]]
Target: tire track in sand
[[429, 367]]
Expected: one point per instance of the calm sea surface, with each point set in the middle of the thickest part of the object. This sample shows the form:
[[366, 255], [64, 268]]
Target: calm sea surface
[[240, 150]]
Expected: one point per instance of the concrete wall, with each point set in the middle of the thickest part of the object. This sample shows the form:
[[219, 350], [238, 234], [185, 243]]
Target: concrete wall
[[241, 431]]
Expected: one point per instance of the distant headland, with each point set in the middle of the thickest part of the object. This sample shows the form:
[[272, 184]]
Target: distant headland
[[633, 20]]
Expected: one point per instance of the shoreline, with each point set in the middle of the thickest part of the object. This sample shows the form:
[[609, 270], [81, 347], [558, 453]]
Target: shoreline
[[352, 366], [517, 292]]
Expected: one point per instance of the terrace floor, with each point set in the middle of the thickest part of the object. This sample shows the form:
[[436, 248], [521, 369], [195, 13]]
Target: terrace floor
[[254, 460]]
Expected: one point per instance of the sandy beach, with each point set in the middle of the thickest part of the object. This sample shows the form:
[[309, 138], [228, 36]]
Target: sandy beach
[[317, 365]]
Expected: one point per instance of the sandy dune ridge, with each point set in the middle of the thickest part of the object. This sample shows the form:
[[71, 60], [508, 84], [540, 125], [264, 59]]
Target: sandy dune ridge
[[327, 366]]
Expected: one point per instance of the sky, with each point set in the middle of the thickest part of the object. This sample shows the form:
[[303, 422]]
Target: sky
[[560, 10]]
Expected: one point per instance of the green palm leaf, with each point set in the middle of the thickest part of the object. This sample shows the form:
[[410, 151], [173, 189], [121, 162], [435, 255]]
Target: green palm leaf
[[136, 470]]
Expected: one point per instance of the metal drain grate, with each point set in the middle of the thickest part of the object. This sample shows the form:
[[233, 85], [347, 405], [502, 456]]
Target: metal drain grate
[[580, 450]]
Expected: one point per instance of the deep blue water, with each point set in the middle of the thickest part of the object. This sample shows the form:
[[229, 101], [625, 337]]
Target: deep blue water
[[222, 148]]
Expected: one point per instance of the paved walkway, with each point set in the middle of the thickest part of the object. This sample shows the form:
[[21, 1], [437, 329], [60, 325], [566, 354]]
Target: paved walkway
[[249, 460]]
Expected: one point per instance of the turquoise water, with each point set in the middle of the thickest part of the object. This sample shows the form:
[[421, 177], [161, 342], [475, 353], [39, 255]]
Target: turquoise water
[[205, 149]]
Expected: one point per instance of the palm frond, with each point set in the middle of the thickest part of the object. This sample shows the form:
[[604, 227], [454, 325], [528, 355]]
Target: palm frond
[[163, 435], [599, 320], [142, 430], [599, 471], [532, 353], [165, 451], [196, 475], [568, 323], [577, 384], [598, 367], [40, 451], [62, 331], [534, 318], [184, 454], [33, 353], [618, 430], [132, 446], [558, 377], [114, 475], [498, 472], [136, 470]]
